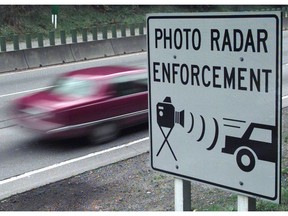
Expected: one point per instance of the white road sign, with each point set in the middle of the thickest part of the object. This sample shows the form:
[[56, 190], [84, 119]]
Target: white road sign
[[215, 99]]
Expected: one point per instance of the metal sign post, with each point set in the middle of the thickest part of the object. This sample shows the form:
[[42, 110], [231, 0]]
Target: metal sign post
[[54, 17], [182, 194], [246, 203]]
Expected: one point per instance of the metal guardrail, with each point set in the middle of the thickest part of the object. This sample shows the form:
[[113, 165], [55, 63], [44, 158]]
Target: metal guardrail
[[74, 36]]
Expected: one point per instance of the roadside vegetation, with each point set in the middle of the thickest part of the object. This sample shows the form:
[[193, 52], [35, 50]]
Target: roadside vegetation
[[34, 19]]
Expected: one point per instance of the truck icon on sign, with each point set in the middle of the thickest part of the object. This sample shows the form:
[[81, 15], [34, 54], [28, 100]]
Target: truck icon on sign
[[258, 141]]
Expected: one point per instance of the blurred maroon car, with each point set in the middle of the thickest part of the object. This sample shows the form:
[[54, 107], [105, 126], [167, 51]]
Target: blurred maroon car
[[96, 101]]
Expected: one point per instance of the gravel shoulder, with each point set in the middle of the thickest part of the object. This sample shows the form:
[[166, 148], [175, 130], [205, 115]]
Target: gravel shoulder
[[129, 185]]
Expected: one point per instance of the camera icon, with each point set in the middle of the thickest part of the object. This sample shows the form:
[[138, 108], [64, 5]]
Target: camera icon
[[167, 116]]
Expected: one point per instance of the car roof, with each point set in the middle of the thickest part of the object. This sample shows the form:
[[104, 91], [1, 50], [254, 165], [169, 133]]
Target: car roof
[[102, 71]]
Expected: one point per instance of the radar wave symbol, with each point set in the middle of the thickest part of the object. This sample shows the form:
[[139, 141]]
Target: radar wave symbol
[[214, 142]]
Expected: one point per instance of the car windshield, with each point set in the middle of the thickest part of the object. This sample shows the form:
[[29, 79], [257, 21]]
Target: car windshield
[[73, 86]]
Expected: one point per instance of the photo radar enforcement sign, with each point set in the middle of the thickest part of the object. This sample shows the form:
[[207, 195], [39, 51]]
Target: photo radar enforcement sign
[[215, 99]]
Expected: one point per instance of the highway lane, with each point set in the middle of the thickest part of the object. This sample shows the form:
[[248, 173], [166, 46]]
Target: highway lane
[[22, 152]]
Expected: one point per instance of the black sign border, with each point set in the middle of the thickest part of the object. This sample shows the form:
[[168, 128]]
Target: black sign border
[[278, 102]]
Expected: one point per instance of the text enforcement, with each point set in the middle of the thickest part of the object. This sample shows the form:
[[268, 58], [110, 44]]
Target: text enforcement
[[235, 78], [232, 40]]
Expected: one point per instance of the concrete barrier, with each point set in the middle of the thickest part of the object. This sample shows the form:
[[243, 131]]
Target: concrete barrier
[[52, 55], [46, 56], [12, 61], [92, 50], [129, 44]]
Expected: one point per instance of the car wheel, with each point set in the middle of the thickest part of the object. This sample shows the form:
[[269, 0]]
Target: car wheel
[[245, 160], [104, 133]]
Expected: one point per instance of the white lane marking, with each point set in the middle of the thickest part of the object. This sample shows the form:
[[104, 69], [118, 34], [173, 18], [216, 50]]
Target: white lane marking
[[47, 87], [29, 174], [26, 91]]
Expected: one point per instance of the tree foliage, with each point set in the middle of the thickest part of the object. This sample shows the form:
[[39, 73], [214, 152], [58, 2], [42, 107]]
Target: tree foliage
[[14, 15], [10, 15]]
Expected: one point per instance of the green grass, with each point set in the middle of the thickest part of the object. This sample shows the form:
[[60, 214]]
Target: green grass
[[286, 139], [230, 204], [269, 206], [222, 204]]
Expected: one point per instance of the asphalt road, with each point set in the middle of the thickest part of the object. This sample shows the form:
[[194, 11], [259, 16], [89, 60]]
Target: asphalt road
[[23, 153]]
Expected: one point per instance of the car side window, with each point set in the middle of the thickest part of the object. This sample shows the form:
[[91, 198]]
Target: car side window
[[73, 86], [262, 135], [130, 84]]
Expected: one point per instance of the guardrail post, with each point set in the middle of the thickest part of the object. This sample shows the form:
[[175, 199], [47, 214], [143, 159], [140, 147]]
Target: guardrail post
[[114, 31], [16, 42], [28, 41], [95, 33], [74, 35], [40, 40], [104, 32], [132, 30], [123, 30], [63, 37], [141, 28], [84, 35], [3, 43], [52, 38]]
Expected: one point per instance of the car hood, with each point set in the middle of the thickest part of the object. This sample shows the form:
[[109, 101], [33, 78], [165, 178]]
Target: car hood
[[48, 101]]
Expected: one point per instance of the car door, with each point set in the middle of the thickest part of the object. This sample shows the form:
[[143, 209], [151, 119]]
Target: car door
[[130, 101]]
